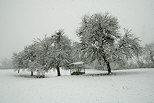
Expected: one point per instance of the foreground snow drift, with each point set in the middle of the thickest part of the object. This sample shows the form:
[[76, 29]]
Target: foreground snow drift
[[124, 86]]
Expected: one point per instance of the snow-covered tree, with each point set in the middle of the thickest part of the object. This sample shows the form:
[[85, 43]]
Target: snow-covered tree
[[29, 57], [17, 61], [102, 41], [126, 48], [36, 55], [149, 51], [42, 53], [59, 54], [148, 55]]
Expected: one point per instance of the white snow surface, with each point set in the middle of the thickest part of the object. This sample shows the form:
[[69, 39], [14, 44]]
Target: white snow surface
[[123, 86]]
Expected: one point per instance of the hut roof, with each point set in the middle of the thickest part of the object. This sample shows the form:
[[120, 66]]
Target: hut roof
[[77, 63]]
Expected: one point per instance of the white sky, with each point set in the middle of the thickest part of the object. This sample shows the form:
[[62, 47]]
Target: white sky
[[23, 20]]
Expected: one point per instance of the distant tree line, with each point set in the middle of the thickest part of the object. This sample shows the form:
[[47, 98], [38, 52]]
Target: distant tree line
[[100, 42], [5, 63], [145, 60]]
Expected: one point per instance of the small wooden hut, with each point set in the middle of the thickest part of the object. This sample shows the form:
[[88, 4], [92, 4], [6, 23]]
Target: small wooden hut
[[77, 68]]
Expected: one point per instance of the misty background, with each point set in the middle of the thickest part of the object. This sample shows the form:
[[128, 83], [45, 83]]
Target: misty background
[[23, 20]]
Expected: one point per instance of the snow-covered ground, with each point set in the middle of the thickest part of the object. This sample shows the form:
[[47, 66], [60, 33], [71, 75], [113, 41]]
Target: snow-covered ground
[[124, 86]]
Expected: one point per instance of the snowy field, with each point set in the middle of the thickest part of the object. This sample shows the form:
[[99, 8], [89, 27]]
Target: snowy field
[[124, 86]]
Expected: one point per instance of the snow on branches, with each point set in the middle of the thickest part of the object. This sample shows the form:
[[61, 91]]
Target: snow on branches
[[43, 55], [102, 41]]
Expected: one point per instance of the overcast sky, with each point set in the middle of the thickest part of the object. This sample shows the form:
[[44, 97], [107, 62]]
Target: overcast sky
[[23, 20]]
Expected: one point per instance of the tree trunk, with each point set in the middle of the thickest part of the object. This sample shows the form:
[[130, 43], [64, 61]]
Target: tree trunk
[[18, 70], [108, 67], [31, 73], [58, 71], [107, 64]]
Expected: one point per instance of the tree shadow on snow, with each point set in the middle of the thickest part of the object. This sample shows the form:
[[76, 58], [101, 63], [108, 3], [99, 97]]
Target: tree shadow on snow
[[117, 73], [124, 72], [27, 76], [97, 74]]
